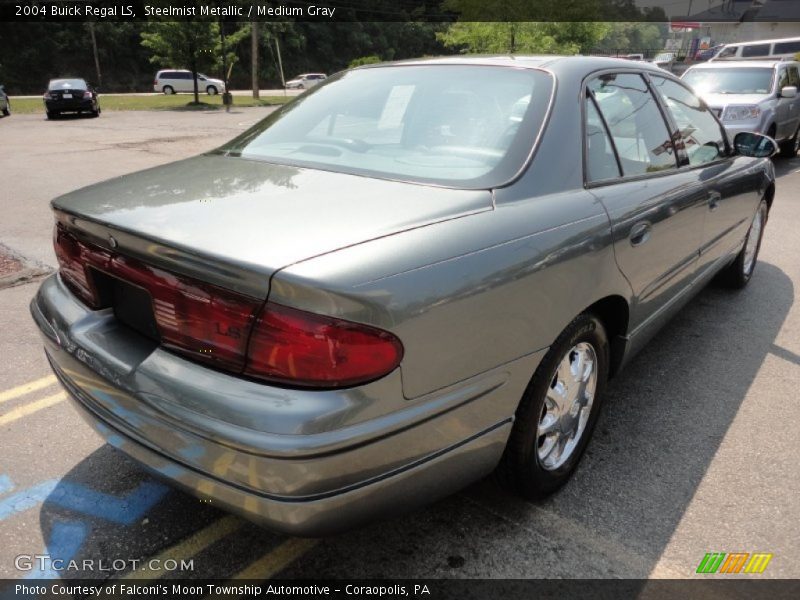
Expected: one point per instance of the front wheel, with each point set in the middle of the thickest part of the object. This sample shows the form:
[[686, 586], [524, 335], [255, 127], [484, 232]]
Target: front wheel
[[211, 90], [558, 411], [790, 147], [738, 273]]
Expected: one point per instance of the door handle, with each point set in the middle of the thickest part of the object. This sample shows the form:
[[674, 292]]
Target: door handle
[[640, 233], [713, 200]]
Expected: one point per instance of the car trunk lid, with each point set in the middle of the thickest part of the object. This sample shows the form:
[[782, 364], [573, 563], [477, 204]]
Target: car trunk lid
[[233, 222]]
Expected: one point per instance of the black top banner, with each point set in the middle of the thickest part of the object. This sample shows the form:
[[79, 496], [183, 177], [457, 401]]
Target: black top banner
[[401, 10]]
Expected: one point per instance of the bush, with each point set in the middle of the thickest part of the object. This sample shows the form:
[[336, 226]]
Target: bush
[[364, 60]]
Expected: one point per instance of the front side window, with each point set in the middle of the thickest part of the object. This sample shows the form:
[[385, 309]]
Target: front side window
[[702, 136], [783, 79], [635, 122], [794, 77], [728, 52], [459, 125]]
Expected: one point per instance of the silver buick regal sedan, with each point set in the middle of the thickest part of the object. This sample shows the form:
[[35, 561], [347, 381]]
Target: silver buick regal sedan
[[409, 277]]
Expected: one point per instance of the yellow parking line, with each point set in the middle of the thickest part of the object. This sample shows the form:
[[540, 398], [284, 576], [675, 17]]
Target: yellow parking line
[[184, 550], [277, 559], [29, 409], [27, 388]]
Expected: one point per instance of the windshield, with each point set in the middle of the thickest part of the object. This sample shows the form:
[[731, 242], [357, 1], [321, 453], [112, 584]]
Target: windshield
[[57, 84], [456, 125], [744, 80]]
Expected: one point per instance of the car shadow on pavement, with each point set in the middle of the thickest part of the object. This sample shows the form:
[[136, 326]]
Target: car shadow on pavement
[[663, 422]]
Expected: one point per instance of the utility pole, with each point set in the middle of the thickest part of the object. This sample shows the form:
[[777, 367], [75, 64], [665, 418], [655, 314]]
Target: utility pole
[[254, 57], [226, 96], [94, 50], [280, 65]]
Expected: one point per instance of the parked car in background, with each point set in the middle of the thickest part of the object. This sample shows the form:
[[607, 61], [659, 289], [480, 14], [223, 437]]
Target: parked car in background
[[664, 60], [70, 95], [759, 96], [708, 53], [5, 103], [174, 81], [421, 272], [305, 81], [783, 48]]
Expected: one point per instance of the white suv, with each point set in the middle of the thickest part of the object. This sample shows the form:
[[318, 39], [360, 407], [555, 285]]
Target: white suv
[[172, 81], [306, 80]]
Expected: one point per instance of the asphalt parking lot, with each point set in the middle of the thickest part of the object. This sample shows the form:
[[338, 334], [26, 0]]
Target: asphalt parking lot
[[696, 451]]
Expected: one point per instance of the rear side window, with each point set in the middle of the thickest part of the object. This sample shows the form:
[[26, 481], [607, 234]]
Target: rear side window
[[700, 132], [601, 161], [635, 122], [787, 47], [755, 50]]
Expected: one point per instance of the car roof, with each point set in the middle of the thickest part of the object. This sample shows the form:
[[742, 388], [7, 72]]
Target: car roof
[[547, 61], [727, 64], [771, 41]]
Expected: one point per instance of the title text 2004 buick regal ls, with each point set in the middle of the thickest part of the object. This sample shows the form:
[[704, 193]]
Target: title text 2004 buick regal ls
[[402, 279]]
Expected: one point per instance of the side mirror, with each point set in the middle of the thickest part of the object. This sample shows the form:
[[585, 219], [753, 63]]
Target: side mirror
[[748, 143], [789, 91]]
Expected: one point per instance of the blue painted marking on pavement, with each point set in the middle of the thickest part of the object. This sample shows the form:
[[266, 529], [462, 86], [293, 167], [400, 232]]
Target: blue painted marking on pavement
[[123, 510], [5, 484], [66, 539]]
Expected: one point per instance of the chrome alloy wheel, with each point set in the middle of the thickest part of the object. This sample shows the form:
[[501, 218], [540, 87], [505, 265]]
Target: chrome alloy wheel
[[567, 406], [752, 241]]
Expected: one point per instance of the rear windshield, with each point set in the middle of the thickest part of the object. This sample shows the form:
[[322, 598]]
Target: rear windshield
[[733, 80], [460, 126], [59, 84]]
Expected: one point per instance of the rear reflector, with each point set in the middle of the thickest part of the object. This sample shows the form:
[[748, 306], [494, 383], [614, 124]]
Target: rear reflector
[[213, 325], [300, 348]]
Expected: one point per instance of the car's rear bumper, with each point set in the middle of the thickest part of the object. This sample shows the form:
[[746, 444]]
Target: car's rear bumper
[[69, 105], [306, 463]]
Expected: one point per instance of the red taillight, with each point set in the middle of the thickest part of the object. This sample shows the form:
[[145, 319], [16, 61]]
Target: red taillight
[[210, 324], [46, 96], [300, 348], [203, 321], [87, 94]]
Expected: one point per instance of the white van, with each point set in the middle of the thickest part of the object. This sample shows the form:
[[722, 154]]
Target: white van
[[173, 81], [785, 48]]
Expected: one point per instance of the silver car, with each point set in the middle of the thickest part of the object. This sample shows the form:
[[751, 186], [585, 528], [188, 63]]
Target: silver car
[[412, 276], [753, 96]]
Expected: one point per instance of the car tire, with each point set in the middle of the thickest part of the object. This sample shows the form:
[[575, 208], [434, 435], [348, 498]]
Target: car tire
[[211, 90], [300, 86], [790, 147], [738, 274], [7, 110], [51, 114], [532, 464], [168, 90]]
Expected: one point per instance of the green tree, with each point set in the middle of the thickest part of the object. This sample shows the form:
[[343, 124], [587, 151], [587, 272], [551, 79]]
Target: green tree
[[523, 37], [187, 44]]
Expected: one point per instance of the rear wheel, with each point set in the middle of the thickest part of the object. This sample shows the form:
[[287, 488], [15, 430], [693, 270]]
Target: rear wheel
[[52, 114], [168, 90], [557, 414], [790, 147], [7, 109], [738, 273]]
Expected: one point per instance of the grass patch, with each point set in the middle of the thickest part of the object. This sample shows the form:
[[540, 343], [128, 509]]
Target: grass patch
[[154, 102]]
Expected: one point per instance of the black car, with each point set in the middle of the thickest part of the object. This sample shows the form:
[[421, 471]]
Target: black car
[[70, 95], [5, 104]]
